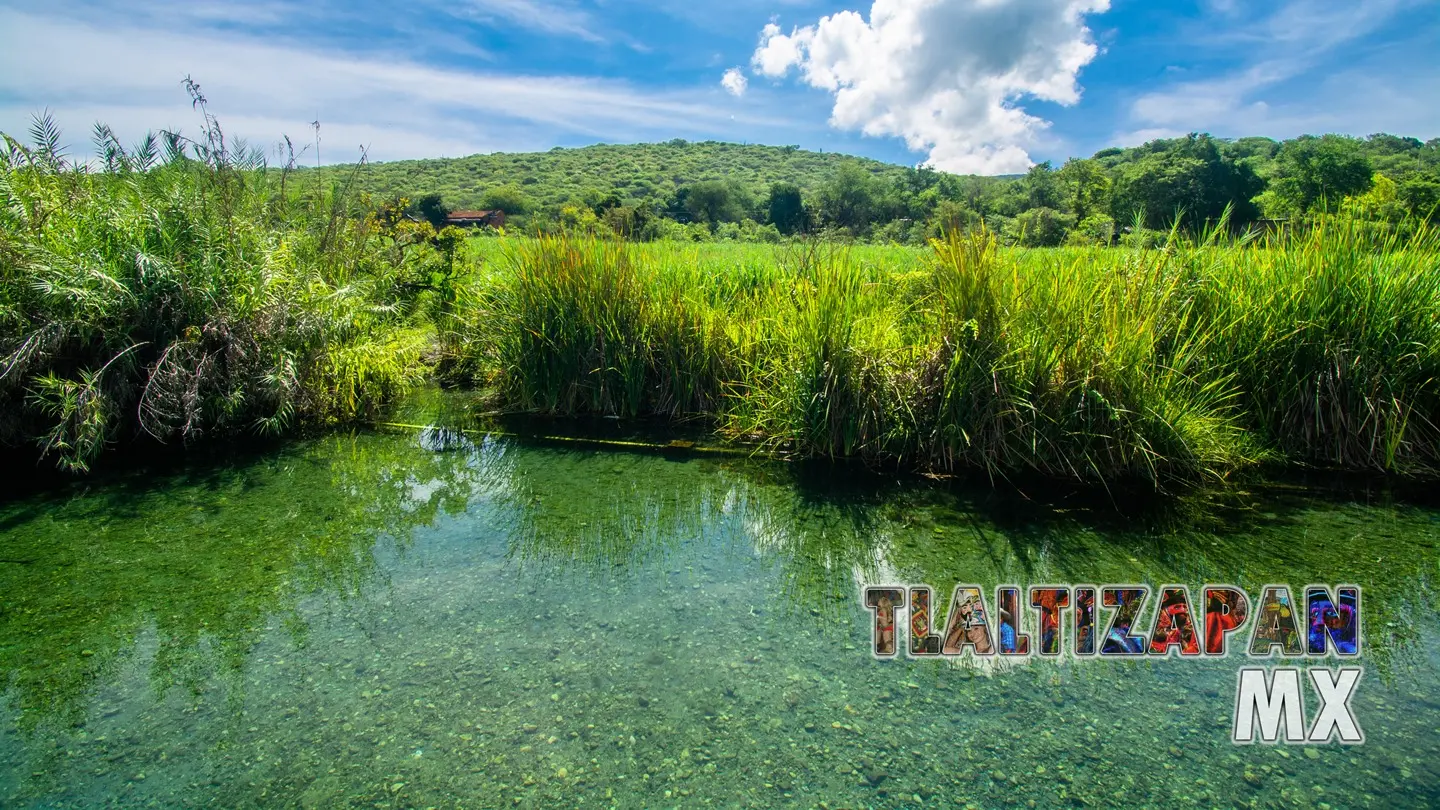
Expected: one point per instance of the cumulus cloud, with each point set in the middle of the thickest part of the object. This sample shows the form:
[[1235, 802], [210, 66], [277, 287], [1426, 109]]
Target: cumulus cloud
[[948, 76], [734, 82]]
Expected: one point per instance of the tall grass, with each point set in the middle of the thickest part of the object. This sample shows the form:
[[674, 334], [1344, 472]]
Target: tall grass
[[595, 327], [1333, 338], [1179, 363], [182, 288]]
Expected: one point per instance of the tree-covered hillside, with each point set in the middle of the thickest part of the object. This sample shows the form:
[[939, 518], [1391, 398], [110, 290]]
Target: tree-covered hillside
[[715, 190], [593, 174]]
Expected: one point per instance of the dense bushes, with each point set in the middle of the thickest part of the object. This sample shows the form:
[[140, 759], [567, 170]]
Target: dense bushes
[[188, 290], [183, 288]]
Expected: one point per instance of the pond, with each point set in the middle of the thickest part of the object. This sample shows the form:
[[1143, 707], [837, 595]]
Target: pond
[[424, 618]]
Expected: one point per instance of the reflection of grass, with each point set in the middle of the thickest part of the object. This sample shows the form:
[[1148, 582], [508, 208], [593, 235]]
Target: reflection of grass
[[615, 514], [209, 557], [205, 557], [1276, 535], [1184, 363]]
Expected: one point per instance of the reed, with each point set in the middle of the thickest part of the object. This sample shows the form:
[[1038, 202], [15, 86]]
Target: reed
[[1333, 340], [182, 288], [592, 326], [1179, 363]]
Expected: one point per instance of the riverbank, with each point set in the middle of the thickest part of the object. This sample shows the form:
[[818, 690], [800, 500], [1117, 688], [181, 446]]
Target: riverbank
[[189, 292], [1183, 365]]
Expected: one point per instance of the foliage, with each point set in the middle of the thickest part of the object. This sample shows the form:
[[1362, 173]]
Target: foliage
[[1184, 360], [510, 198], [714, 201], [1314, 171], [1039, 227], [1187, 180], [432, 209], [1333, 342], [188, 290], [1196, 180], [787, 208], [849, 199]]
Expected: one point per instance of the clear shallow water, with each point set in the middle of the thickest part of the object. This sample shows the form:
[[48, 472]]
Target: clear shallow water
[[395, 620]]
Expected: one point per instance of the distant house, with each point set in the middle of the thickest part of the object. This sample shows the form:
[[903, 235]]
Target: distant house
[[475, 219]]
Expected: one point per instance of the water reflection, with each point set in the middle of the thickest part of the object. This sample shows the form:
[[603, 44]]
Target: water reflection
[[342, 599]]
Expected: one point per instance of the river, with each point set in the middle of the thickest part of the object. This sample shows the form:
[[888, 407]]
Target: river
[[405, 618]]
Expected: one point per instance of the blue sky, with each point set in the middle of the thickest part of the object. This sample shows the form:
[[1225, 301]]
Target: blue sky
[[968, 85]]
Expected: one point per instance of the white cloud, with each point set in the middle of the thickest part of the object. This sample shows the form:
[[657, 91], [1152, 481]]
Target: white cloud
[[734, 82], [262, 89], [945, 75]]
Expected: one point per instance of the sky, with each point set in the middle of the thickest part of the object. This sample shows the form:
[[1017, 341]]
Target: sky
[[968, 86]]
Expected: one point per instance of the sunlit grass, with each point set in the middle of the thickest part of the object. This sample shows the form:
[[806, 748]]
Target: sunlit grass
[[183, 289], [1180, 363]]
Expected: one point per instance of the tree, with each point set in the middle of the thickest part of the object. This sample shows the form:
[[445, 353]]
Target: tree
[[1040, 227], [510, 198], [432, 209], [1042, 187], [1313, 170], [848, 198], [1388, 144], [949, 216], [628, 221], [712, 201], [1252, 147], [787, 208], [1187, 178], [1421, 195], [1086, 187], [1382, 203], [919, 179]]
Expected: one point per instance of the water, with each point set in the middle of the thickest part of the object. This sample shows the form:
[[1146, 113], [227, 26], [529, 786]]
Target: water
[[396, 620]]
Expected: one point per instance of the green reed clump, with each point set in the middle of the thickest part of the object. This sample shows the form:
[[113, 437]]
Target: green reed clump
[[821, 354], [182, 288], [592, 326], [1178, 363], [1076, 364], [1333, 341]]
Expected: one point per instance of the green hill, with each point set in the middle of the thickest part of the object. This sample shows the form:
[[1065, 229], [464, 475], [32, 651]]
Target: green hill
[[647, 171], [724, 190]]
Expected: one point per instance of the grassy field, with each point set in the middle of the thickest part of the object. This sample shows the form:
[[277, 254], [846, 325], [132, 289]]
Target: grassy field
[[1181, 364], [181, 289]]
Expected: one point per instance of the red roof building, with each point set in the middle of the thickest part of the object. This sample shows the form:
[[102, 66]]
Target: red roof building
[[475, 219]]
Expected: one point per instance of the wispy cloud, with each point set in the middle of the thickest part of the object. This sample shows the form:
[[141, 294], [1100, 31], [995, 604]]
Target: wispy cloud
[[130, 78], [1298, 40], [534, 15]]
